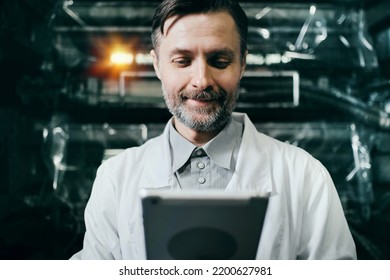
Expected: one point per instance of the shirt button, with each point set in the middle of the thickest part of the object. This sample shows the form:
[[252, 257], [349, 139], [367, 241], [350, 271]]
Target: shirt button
[[201, 180], [199, 152], [201, 165]]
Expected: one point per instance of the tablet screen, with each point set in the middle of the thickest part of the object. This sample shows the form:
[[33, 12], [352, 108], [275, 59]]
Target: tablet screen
[[213, 225]]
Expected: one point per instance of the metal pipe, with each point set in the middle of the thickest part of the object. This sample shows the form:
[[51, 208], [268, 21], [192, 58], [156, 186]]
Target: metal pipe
[[351, 104]]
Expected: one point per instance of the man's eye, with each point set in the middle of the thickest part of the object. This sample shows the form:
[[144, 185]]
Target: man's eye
[[181, 62], [220, 64]]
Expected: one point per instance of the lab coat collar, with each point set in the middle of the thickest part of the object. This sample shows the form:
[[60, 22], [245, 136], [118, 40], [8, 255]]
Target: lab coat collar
[[158, 163], [253, 170]]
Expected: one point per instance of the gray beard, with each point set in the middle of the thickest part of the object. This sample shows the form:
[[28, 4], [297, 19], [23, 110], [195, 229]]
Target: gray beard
[[215, 120]]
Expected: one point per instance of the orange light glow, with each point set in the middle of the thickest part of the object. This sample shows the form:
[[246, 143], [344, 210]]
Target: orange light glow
[[121, 58]]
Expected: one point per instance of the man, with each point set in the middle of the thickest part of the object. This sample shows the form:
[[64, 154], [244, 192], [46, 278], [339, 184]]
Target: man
[[199, 50]]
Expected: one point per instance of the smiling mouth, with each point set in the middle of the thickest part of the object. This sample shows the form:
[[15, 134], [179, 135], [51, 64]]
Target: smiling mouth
[[202, 98], [199, 101]]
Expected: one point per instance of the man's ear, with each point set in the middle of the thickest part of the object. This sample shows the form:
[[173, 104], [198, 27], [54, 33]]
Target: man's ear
[[243, 64], [155, 63]]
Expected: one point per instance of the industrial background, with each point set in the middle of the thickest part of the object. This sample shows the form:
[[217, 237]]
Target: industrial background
[[77, 86]]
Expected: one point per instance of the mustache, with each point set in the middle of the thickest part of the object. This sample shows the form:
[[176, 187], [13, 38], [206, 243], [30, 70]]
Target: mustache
[[204, 95]]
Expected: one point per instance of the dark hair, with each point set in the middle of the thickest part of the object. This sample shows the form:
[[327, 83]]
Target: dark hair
[[169, 8]]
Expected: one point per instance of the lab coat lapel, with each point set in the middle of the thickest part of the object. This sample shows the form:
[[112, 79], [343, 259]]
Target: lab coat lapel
[[157, 164], [253, 172]]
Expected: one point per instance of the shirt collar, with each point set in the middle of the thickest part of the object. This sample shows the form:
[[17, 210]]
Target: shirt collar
[[181, 148], [219, 149]]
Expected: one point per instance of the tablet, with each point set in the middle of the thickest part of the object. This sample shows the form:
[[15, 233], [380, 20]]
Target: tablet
[[194, 225]]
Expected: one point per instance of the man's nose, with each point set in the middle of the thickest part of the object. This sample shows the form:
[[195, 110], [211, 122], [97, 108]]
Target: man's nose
[[202, 76]]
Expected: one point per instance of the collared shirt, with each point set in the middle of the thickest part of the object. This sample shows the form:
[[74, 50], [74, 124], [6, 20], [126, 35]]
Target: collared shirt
[[210, 166]]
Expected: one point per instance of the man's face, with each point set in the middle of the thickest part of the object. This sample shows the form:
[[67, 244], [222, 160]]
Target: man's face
[[199, 65]]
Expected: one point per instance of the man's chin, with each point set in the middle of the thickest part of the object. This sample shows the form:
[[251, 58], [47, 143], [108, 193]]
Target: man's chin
[[203, 122], [200, 116]]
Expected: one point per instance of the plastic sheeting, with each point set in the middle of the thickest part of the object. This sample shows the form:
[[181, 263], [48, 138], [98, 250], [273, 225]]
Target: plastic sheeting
[[332, 36], [73, 153]]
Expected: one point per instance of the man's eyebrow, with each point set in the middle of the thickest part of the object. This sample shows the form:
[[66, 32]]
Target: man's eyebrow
[[224, 51], [176, 51]]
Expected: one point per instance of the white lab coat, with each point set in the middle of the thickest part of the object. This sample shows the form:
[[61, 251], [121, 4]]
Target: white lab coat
[[304, 220]]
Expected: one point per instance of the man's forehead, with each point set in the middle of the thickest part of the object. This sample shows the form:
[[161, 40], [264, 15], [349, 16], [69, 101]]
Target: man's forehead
[[219, 19], [169, 23], [208, 33]]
